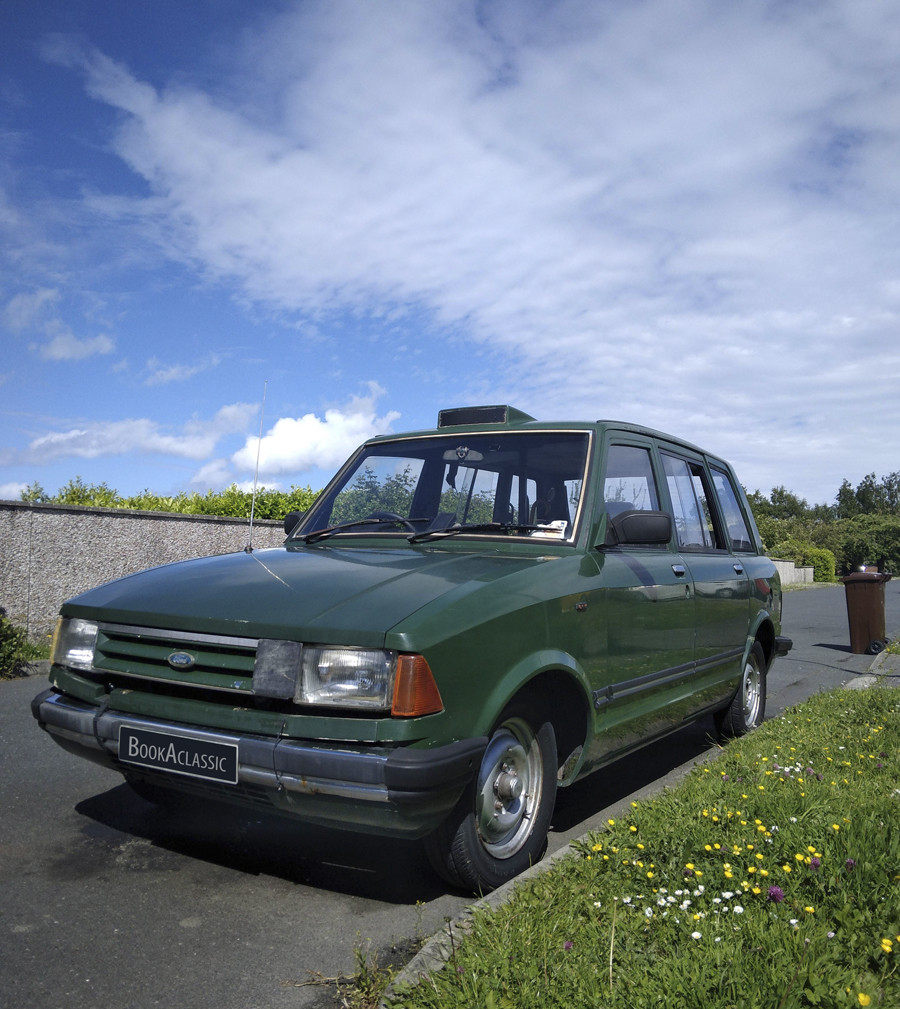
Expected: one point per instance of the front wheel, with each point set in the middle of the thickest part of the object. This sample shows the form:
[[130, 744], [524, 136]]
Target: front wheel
[[748, 709], [499, 827]]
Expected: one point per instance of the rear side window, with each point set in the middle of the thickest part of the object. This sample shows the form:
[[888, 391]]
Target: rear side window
[[629, 484], [689, 492], [735, 523]]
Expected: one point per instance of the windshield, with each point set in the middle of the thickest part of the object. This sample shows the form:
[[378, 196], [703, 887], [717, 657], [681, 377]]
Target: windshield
[[527, 484]]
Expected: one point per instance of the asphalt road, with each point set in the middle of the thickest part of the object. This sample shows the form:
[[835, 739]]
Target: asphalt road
[[107, 901]]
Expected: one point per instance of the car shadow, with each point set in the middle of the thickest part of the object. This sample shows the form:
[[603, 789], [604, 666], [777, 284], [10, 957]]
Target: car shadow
[[390, 870], [268, 845], [582, 801]]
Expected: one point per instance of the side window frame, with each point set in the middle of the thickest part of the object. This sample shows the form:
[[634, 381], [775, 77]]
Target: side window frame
[[732, 509], [653, 497], [694, 486]]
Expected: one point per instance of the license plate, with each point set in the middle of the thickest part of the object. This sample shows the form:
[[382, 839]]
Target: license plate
[[166, 751]]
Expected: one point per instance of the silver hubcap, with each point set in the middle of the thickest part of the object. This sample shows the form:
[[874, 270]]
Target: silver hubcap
[[509, 787], [752, 691]]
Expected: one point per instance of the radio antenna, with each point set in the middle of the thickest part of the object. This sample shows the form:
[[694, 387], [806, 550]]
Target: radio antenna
[[262, 413]]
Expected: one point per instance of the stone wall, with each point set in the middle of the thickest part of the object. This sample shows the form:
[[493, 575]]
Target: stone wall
[[49, 553]]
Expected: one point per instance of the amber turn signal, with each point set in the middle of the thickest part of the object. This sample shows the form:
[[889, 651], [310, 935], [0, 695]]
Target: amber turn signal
[[415, 692]]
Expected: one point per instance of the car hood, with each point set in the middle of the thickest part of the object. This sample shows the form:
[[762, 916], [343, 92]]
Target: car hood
[[325, 594]]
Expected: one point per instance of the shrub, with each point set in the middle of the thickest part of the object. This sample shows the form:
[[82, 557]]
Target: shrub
[[16, 651], [806, 554]]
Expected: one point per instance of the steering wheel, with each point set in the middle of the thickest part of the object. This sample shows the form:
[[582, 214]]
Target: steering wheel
[[393, 517]]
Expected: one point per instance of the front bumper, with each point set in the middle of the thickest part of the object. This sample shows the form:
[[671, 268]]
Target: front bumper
[[397, 791]]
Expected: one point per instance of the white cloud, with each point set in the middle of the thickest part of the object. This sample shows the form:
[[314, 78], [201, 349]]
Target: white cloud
[[65, 346], [26, 310], [215, 475], [163, 374], [38, 311], [663, 210], [197, 440], [294, 445], [11, 491]]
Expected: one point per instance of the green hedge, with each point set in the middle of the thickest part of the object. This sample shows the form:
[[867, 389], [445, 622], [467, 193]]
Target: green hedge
[[229, 503]]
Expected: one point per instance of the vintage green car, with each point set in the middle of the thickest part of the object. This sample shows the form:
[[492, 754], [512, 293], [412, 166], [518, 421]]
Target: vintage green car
[[467, 619]]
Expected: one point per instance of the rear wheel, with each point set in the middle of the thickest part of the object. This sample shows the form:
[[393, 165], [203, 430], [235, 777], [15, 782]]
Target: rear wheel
[[748, 709], [499, 827]]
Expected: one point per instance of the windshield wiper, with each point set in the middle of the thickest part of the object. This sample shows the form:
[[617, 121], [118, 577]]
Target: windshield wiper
[[320, 534], [504, 528]]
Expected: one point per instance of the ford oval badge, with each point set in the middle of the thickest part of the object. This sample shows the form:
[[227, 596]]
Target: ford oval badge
[[181, 660]]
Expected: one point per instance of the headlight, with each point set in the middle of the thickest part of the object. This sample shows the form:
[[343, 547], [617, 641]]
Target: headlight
[[347, 677], [74, 642], [372, 678]]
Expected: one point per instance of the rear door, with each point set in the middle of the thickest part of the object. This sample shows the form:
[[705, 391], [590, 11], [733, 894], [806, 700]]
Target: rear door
[[721, 584]]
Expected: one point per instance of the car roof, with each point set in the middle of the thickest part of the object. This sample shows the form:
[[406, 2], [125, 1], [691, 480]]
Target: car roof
[[510, 419]]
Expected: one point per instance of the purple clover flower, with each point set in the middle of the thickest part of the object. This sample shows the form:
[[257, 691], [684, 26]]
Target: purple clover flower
[[775, 894]]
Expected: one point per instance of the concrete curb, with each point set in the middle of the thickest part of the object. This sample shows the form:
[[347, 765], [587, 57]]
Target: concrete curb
[[440, 947]]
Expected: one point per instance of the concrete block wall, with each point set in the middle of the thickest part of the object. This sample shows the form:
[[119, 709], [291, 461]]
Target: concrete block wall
[[49, 553], [792, 575]]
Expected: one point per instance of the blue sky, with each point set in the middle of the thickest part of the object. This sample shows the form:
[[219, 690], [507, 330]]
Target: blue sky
[[679, 212]]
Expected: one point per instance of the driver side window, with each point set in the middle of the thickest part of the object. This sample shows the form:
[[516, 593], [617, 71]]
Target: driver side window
[[629, 484]]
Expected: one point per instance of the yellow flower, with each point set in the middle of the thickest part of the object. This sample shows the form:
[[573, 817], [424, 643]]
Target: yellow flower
[[809, 910], [887, 945], [863, 998], [611, 822]]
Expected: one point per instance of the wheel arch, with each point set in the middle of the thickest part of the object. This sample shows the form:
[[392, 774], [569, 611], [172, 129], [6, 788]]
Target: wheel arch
[[765, 635], [559, 692]]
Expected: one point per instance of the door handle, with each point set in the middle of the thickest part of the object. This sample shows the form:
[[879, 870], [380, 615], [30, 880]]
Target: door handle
[[738, 569], [679, 570]]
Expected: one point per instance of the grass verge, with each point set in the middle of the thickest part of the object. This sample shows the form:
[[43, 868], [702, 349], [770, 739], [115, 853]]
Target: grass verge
[[770, 877]]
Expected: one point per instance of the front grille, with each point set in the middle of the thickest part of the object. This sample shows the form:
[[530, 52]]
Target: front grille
[[222, 664]]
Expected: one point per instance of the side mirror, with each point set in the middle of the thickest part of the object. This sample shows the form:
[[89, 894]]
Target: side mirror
[[291, 520], [644, 528]]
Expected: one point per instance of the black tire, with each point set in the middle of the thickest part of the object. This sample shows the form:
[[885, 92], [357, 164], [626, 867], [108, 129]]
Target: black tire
[[748, 708], [499, 826]]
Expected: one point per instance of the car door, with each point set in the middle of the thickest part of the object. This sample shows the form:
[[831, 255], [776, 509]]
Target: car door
[[720, 582], [647, 613]]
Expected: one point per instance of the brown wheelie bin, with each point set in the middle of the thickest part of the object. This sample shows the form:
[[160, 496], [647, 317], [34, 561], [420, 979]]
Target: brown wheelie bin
[[865, 611]]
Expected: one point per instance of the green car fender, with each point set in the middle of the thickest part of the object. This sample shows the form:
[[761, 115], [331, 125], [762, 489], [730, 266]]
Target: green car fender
[[553, 684]]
